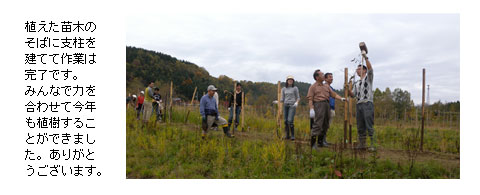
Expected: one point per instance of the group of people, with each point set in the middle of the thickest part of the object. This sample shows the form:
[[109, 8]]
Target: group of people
[[321, 101], [147, 103], [321, 97], [211, 115]]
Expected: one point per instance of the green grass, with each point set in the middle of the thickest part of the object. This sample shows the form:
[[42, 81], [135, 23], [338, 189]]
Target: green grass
[[175, 150]]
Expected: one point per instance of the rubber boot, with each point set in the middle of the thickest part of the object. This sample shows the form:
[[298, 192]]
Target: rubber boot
[[292, 132], [225, 131], [325, 143], [287, 131], [320, 141], [361, 143], [313, 140], [372, 144]]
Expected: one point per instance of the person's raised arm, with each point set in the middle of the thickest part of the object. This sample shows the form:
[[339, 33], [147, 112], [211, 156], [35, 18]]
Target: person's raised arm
[[369, 65]]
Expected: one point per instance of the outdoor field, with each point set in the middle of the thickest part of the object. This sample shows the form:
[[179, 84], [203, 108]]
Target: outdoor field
[[174, 149]]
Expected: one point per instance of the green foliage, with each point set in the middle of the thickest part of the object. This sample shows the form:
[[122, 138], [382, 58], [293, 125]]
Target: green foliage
[[144, 66], [176, 150]]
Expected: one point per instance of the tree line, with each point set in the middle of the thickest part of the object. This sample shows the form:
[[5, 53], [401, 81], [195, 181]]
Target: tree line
[[144, 66]]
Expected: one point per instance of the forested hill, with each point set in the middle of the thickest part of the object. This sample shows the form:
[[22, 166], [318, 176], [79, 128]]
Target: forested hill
[[144, 66]]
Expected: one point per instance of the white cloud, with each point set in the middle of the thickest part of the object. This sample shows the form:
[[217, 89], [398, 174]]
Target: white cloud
[[269, 47]]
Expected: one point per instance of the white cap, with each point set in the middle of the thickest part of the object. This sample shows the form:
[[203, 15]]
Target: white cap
[[211, 87], [134, 96], [142, 92]]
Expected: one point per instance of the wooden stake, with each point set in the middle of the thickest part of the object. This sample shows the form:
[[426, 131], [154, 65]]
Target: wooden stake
[[191, 103], [279, 110], [171, 101], [345, 111], [243, 111], [350, 110], [423, 111], [234, 105]]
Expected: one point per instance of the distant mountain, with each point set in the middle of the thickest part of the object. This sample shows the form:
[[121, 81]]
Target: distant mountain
[[144, 66]]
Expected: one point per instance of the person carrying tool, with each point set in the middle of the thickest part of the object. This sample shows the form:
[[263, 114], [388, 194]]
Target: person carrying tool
[[318, 97], [210, 114], [362, 90], [238, 106], [290, 98]]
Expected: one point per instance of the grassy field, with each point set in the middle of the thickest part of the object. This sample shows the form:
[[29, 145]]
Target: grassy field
[[175, 150]]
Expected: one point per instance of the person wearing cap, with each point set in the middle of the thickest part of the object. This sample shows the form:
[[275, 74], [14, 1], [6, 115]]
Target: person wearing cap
[[238, 106], [318, 100], [148, 103], [131, 100], [139, 107], [363, 91], [210, 114], [290, 98]]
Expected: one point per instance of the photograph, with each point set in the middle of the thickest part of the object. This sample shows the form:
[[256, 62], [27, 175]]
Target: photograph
[[293, 96]]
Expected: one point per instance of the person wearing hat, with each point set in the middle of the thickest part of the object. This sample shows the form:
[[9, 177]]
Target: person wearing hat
[[318, 99], [290, 98], [131, 99], [139, 107], [210, 114]]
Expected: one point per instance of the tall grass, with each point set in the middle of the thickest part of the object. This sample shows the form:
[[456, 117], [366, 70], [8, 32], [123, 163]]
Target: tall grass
[[175, 150]]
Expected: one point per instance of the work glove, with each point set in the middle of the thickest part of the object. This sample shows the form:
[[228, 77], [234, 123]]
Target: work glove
[[295, 105], [204, 118], [275, 102], [364, 54], [216, 117], [229, 108], [312, 113], [343, 99]]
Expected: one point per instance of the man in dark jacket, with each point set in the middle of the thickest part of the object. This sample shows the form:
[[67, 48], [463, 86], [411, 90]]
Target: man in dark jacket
[[238, 106]]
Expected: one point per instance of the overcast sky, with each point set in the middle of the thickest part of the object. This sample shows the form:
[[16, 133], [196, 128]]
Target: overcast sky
[[272, 46]]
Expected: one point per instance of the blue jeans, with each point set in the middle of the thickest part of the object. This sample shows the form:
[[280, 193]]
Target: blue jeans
[[238, 109], [289, 113]]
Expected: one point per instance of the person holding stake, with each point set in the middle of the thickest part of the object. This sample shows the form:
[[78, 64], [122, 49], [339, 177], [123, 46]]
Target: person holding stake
[[318, 99], [238, 106], [362, 90], [329, 81]]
